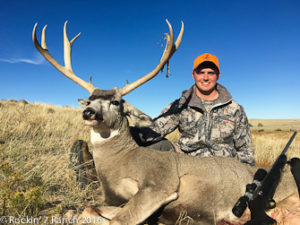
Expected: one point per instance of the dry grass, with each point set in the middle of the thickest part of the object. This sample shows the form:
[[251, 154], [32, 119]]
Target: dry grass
[[35, 140], [269, 144], [275, 124]]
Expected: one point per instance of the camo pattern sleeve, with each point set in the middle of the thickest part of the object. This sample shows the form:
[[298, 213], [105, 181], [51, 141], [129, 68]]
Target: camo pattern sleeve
[[243, 141], [168, 120]]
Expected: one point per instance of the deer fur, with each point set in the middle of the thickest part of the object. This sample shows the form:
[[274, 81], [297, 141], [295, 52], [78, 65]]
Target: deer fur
[[140, 181]]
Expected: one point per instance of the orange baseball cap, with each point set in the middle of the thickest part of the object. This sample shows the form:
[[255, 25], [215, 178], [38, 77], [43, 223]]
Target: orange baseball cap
[[206, 57]]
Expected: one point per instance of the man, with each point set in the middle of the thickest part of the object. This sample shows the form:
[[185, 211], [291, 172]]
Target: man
[[211, 123]]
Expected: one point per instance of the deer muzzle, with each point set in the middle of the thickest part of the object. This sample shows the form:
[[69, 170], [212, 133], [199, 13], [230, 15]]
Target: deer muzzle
[[89, 114]]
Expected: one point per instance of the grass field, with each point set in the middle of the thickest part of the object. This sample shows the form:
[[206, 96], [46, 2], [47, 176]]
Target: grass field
[[275, 124], [35, 139]]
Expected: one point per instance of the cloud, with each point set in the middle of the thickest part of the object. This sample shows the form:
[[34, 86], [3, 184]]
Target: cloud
[[36, 61]]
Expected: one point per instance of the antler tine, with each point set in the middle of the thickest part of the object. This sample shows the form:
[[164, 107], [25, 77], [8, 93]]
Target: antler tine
[[68, 48], [178, 40], [43, 39], [167, 37], [168, 52], [67, 69]]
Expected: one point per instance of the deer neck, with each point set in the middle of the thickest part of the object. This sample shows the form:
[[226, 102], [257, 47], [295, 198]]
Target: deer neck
[[102, 135], [107, 141]]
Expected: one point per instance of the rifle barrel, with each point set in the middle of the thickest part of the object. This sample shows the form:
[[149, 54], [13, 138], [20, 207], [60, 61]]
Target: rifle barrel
[[289, 143]]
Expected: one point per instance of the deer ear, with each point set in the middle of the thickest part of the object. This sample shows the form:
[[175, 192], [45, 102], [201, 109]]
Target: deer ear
[[83, 102], [137, 117]]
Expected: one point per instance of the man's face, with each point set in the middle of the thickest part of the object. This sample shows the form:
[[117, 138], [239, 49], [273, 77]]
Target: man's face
[[205, 79]]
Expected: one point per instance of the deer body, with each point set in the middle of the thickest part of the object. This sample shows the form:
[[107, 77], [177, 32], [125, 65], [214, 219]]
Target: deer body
[[140, 181], [145, 180]]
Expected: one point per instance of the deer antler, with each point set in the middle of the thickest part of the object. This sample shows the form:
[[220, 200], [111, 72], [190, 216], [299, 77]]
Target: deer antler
[[168, 52], [67, 69]]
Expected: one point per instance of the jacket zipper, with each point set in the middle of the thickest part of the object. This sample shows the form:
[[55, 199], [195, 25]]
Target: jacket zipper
[[209, 123]]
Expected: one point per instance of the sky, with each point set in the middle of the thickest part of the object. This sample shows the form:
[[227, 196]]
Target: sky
[[257, 43]]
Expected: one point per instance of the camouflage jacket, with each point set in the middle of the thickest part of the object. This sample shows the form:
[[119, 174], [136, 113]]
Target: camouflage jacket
[[221, 131]]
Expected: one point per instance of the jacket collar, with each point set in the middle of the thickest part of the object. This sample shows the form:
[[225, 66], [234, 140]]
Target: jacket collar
[[190, 98]]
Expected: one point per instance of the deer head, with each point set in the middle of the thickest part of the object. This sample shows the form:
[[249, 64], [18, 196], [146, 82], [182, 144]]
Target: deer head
[[106, 108]]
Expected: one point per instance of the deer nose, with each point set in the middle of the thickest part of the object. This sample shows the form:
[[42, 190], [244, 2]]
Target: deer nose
[[88, 114]]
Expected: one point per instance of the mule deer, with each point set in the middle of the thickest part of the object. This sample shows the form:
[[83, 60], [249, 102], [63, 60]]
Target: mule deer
[[144, 180]]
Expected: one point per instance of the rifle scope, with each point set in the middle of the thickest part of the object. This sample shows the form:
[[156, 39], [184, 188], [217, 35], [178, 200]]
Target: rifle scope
[[243, 201]]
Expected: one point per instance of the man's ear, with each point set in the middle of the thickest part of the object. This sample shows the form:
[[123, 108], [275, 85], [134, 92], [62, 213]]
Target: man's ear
[[137, 117], [83, 102], [193, 74]]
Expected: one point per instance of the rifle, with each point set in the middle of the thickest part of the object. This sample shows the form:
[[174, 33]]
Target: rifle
[[259, 194]]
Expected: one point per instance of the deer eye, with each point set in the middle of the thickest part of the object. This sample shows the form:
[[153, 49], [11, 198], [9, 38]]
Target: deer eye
[[115, 103]]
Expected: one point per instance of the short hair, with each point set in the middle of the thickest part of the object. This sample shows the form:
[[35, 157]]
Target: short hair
[[207, 64]]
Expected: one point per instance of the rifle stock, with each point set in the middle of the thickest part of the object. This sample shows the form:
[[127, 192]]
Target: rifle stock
[[260, 198]]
